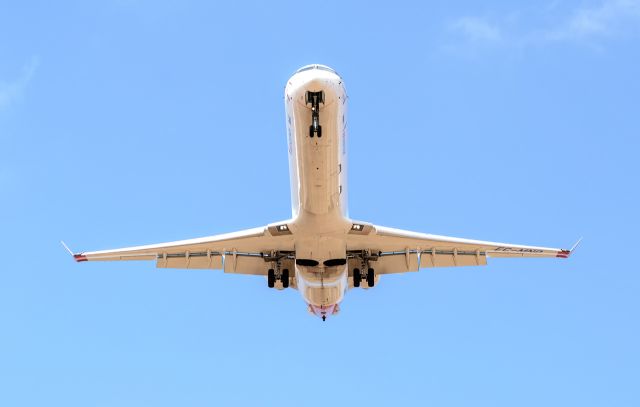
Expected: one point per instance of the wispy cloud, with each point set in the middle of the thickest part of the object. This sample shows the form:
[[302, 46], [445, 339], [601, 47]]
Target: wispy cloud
[[477, 29], [587, 24], [612, 17], [13, 91]]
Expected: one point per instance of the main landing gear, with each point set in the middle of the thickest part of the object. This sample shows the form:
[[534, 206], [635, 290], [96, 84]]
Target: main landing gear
[[315, 98], [370, 277], [283, 276]]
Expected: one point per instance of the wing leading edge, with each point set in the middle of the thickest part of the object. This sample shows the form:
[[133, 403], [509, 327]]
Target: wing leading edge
[[398, 251], [243, 252]]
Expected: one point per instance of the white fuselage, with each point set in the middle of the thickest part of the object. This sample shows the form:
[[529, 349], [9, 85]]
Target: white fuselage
[[317, 164], [318, 168]]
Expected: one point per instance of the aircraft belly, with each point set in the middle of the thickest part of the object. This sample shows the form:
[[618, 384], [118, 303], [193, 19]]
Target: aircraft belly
[[318, 160], [317, 155], [322, 286]]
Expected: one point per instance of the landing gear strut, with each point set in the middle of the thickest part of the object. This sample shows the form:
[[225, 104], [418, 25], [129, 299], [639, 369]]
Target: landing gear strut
[[315, 98], [272, 277], [370, 276]]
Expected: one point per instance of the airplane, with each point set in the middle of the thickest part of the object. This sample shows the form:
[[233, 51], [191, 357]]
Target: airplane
[[320, 250]]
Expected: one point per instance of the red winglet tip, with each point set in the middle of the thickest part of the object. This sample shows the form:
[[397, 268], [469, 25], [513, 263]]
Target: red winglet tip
[[80, 257], [564, 254]]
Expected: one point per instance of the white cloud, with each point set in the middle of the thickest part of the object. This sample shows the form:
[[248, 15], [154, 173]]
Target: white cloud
[[477, 29], [608, 19], [12, 91]]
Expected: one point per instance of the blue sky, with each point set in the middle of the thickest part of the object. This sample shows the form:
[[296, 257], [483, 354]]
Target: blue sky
[[132, 122]]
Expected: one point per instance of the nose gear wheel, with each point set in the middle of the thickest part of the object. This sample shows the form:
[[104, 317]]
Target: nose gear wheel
[[314, 99]]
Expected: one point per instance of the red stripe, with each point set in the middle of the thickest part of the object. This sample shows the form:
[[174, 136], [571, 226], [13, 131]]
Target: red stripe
[[80, 257]]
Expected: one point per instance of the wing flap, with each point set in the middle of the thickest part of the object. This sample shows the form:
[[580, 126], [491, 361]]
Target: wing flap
[[397, 263], [187, 260], [235, 264], [452, 258]]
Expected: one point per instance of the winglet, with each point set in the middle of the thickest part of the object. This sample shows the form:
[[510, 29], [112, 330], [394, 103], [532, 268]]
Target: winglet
[[77, 256], [66, 247], [566, 253], [575, 245]]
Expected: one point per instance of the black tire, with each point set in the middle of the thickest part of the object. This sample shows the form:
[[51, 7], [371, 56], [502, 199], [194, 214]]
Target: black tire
[[371, 278], [357, 277], [311, 132], [285, 278], [271, 278], [319, 132]]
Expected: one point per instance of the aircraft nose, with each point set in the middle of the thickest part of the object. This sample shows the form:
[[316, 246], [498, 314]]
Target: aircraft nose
[[328, 85]]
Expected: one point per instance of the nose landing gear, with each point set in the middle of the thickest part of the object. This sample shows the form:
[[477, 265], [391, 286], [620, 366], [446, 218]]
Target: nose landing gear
[[315, 98]]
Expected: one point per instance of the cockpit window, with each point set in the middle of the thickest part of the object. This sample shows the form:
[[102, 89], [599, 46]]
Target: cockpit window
[[305, 68], [326, 68], [316, 66]]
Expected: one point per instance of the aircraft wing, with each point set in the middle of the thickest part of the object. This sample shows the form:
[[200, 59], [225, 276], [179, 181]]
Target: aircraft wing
[[398, 251], [244, 252]]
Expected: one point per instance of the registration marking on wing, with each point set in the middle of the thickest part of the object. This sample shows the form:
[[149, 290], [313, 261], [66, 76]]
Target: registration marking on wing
[[517, 250]]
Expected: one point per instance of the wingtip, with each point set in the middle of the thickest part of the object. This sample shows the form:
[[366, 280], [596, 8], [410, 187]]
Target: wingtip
[[576, 245], [66, 247], [566, 253], [76, 256]]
